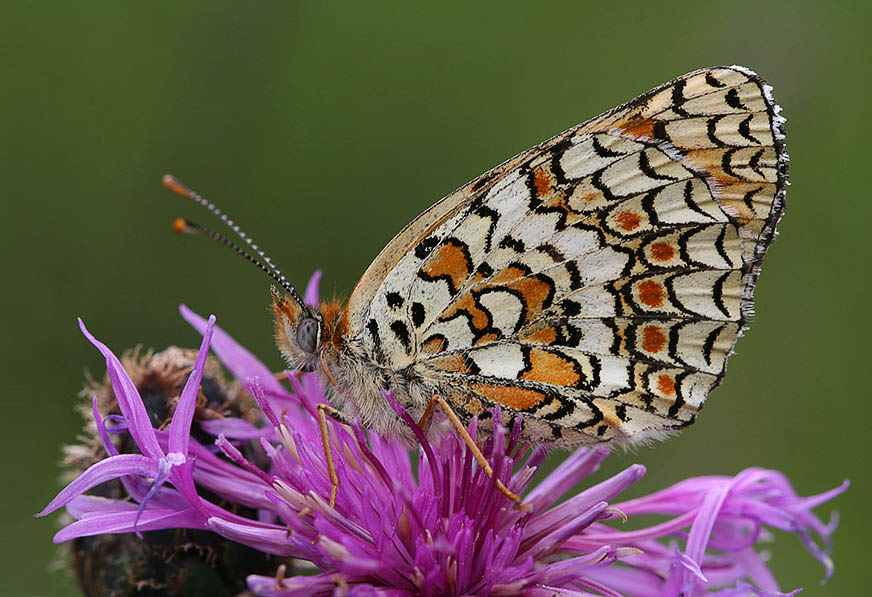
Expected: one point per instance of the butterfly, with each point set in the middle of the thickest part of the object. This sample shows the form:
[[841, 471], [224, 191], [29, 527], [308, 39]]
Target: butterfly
[[595, 284]]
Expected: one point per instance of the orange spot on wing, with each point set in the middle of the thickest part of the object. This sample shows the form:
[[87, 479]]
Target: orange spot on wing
[[543, 182], [547, 335], [651, 293], [433, 345], [548, 367], [611, 419], [653, 340], [711, 161], [487, 339], [640, 129], [453, 363], [662, 251], [449, 260], [628, 220], [477, 278], [511, 396], [465, 304], [736, 209], [508, 274], [666, 385], [535, 291]]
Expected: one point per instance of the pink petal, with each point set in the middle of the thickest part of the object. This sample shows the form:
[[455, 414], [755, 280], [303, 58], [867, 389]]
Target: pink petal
[[100, 472], [129, 401], [180, 427]]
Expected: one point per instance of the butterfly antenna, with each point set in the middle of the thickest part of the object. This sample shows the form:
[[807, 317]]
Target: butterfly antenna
[[184, 226]]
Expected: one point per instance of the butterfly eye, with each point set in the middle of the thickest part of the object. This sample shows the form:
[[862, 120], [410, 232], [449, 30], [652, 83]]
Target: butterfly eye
[[307, 334]]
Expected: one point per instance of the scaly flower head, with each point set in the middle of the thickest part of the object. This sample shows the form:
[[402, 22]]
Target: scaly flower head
[[429, 522]]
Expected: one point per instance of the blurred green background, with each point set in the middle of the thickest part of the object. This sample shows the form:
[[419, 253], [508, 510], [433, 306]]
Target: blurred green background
[[325, 127]]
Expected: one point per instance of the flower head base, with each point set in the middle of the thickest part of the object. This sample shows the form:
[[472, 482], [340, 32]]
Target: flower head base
[[432, 523]]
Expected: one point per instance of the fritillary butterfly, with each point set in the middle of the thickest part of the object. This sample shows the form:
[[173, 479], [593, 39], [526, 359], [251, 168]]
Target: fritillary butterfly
[[595, 284]]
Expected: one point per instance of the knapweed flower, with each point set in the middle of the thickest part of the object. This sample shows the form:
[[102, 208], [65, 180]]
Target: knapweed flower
[[430, 522], [172, 561]]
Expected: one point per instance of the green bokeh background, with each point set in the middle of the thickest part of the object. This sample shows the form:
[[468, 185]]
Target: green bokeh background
[[325, 127]]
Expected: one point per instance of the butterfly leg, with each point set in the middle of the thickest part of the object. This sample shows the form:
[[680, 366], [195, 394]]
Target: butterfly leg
[[473, 447], [428, 412], [324, 410]]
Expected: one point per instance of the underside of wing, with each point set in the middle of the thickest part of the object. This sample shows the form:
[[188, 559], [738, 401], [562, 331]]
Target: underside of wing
[[596, 283]]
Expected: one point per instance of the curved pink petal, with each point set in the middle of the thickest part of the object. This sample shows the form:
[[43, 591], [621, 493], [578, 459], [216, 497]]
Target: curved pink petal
[[235, 429], [180, 427], [311, 295], [237, 359], [100, 472], [124, 522], [129, 401], [273, 541]]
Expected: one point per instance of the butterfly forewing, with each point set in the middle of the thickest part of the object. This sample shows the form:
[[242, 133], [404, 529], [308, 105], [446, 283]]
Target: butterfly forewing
[[597, 282]]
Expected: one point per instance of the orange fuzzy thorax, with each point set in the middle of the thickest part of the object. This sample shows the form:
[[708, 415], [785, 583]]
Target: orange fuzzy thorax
[[334, 324]]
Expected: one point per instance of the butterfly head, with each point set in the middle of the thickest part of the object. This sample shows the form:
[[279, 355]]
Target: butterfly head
[[298, 331]]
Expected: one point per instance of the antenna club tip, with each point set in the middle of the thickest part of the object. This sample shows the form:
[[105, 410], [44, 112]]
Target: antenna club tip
[[175, 185], [180, 225]]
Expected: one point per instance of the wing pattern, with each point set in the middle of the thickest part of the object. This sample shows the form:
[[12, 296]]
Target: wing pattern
[[598, 282]]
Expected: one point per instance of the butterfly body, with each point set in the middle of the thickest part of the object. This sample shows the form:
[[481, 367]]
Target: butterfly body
[[354, 378], [595, 284]]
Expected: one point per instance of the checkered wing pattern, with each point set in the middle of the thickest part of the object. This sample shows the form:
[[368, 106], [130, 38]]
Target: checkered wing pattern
[[598, 282]]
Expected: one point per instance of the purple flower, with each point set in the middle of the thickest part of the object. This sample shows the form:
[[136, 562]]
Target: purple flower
[[431, 522]]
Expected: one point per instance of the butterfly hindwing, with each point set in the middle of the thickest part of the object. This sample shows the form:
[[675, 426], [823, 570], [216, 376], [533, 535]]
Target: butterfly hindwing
[[597, 282]]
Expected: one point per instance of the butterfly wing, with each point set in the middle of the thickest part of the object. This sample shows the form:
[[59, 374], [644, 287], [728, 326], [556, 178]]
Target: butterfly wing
[[597, 282]]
